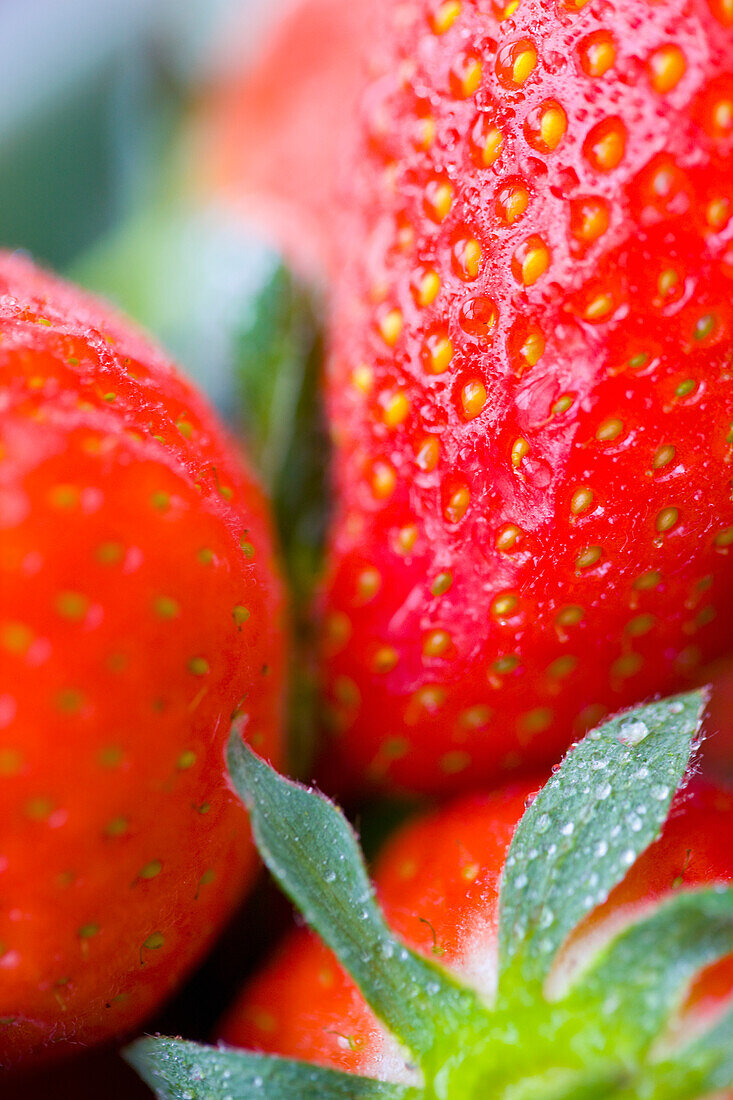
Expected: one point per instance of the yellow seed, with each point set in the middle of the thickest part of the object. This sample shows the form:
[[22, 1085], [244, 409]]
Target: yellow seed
[[154, 941], [445, 16], [438, 200], [599, 307], [436, 643], [368, 584], [626, 666], [599, 56], [609, 430], [553, 124], [639, 625], [428, 288], [442, 584], [430, 698], [346, 691], [647, 581], [524, 64], [608, 148], [476, 717], [473, 398], [440, 353], [396, 409], [425, 132], [724, 538], [563, 403], [504, 605], [10, 761], [150, 870], [506, 664], [428, 453], [385, 659], [536, 721], [533, 347], [667, 281], [491, 146], [390, 326], [515, 204], [383, 480], [471, 258], [667, 519], [198, 666], [535, 263], [16, 637], [72, 605], [457, 505], [588, 557], [406, 539], [570, 616], [520, 450], [717, 213], [663, 456], [581, 501], [337, 630], [507, 537], [666, 68], [455, 761], [469, 79], [562, 667], [362, 378]]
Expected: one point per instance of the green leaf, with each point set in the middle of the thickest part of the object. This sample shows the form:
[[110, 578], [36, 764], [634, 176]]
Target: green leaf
[[605, 805], [179, 1070], [313, 853], [640, 978], [708, 1061]]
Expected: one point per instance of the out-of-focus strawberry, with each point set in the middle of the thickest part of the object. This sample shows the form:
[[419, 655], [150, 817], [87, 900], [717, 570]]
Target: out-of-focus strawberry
[[140, 611]]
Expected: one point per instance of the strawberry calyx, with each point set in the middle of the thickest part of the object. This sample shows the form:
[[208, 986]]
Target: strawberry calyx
[[598, 1032]]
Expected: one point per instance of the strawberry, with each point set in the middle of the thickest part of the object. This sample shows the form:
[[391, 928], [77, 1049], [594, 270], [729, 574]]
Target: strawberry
[[570, 943], [529, 383], [140, 609]]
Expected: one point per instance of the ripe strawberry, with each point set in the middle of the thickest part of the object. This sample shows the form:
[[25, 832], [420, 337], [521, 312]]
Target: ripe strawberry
[[139, 610], [529, 383], [560, 946]]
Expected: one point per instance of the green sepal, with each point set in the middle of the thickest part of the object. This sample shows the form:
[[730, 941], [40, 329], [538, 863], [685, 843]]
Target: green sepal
[[313, 853], [635, 984], [604, 805], [179, 1070]]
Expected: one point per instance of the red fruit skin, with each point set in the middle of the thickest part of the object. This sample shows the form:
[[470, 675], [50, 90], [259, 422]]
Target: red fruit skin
[[523, 542], [270, 134], [438, 881], [130, 531]]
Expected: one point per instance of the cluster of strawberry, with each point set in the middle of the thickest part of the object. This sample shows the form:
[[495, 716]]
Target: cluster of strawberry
[[524, 215]]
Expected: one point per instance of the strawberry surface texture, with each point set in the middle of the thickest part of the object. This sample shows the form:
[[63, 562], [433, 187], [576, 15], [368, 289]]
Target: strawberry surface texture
[[529, 383], [140, 611]]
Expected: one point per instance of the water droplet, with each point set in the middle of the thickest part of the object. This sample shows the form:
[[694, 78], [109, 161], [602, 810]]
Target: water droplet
[[634, 733], [567, 829], [603, 792], [601, 849]]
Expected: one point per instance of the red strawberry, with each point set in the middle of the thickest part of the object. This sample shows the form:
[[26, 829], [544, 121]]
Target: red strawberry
[[530, 383], [139, 610], [572, 943]]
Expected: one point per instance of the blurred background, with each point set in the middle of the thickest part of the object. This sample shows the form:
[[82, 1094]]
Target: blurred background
[[101, 178]]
